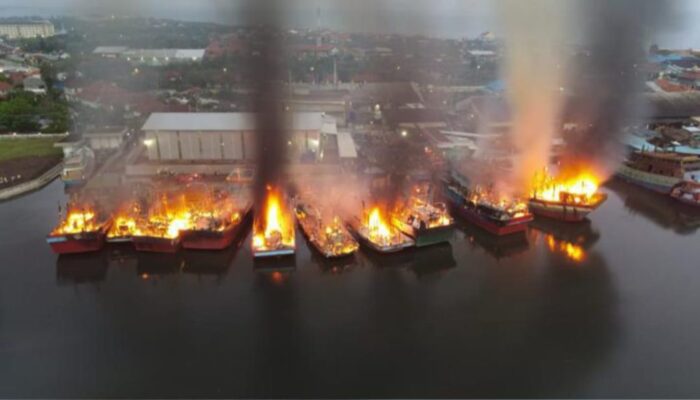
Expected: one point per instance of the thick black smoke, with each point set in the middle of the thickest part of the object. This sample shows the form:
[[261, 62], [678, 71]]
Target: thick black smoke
[[607, 77]]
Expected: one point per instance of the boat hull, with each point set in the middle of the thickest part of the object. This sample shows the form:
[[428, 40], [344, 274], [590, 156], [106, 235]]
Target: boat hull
[[212, 240], [393, 248], [153, 244], [428, 236], [559, 211], [316, 247], [516, 225], [281, 252], [655, 182], [74, 244]]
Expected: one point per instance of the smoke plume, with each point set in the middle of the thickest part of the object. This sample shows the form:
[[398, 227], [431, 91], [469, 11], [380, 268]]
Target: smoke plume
[[609, 81], [598, 87], [533, 70]]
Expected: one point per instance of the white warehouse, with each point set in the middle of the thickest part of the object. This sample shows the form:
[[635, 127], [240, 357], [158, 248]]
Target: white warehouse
[[229, 137]]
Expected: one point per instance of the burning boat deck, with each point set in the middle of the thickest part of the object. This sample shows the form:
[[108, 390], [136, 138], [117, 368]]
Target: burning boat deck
[[377, 235], [273, 229], [330, 240], [498, 218], [425, 223], [569, 200], [82, 230]]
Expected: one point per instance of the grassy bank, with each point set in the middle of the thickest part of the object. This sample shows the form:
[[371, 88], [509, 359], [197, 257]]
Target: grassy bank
[[12, 149], [24, 159]]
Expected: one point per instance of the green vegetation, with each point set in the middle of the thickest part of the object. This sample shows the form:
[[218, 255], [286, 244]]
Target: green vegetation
[[11, 149], [25, 112]]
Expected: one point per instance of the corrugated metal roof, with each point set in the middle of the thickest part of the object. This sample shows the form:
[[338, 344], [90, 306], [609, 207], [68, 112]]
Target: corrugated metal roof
[[213, 121], [346, 145]]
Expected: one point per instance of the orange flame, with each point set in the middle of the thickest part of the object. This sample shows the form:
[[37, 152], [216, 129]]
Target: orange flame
[[276, 229], [79, 219], [579, 189]]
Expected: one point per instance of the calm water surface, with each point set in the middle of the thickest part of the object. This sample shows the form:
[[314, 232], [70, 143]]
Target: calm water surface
[[478, 317]]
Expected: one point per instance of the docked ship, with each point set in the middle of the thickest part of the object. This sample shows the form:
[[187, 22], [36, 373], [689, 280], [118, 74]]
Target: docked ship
[[498, 218], [569, 200], [687, 192], [659, 171], [377, 235], [216, 230], [82, 230], [425, 223], [331, 240], [78, 167]]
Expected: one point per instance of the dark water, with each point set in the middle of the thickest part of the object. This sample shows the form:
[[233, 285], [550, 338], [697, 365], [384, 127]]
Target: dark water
[[478, 317]]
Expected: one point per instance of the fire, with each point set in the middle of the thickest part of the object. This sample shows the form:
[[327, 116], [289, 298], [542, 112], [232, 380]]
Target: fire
[[570, 250], [378, 231], [78, 219], [420, 212], [172, 213], [330, 237], [580, 189], [512, 206], [276, 229], [126, 220]]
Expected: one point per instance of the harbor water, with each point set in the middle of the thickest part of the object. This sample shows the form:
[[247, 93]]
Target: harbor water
[[606, 308]]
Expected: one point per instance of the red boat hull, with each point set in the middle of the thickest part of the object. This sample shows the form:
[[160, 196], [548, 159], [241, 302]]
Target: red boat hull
[[209, 240], [515, 225], [156, 244], [73, 244]]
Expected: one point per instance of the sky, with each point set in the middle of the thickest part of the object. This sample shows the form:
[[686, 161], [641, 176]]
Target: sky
[[441, 18]]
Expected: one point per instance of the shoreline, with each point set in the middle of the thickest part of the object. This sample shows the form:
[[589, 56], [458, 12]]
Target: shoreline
[[31, 185]]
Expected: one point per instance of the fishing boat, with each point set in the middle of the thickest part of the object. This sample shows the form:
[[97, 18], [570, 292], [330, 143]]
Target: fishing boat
[[687, 192], [566, 199], [215, 231], [82, 230], [499, 218], [331, 240], [659, 171], [78, 167], [273, 228], [377, 235], [425, 223]]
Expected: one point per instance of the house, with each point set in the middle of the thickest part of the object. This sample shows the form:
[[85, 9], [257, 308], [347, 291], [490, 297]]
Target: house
[[34, 84]]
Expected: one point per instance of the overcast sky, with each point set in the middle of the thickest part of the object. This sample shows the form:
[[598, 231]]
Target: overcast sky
[[445, 18]]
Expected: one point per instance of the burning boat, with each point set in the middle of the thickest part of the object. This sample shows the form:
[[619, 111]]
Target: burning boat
[[568, 200], [82, 230], [161, 231], [273, 229], [124, 223], [426, 223], [481, 208], [331, 240], [376, 234], [215, 221]]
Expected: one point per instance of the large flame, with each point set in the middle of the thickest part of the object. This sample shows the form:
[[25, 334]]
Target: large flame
[[78, 219], [578, 189], [193, 209], [276, 229]]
